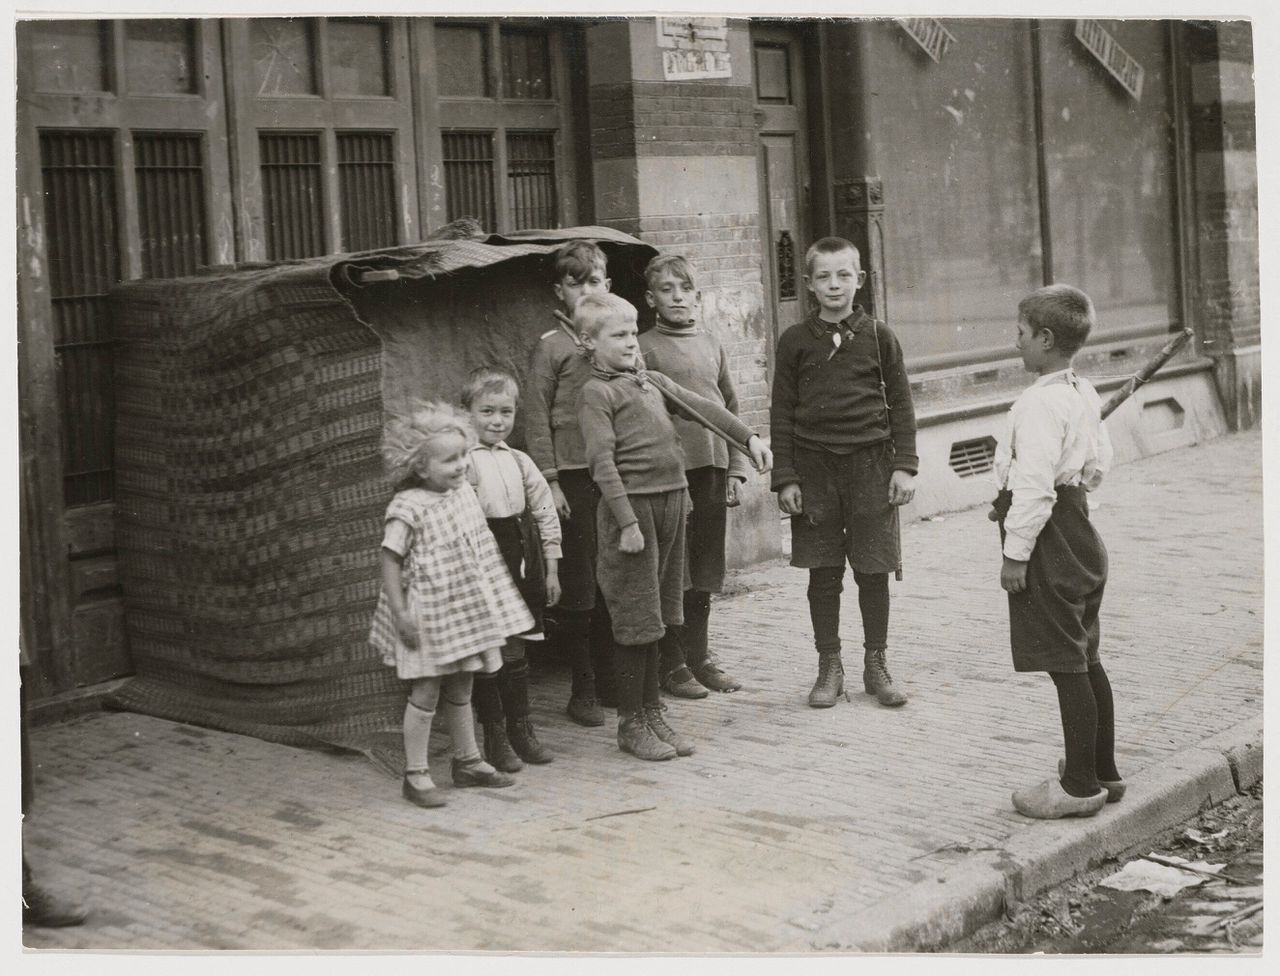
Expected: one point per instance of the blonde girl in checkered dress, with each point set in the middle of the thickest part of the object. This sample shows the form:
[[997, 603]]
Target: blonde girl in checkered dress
[[448, 603]]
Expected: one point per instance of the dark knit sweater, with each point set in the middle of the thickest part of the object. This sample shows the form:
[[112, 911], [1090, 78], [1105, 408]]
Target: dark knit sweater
[[832, 401], [631, 444]]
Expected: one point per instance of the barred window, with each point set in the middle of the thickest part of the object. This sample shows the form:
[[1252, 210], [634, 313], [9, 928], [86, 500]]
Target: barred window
[[171, 214], [291, 194], [367, 189], [531, 179], [468, 176]]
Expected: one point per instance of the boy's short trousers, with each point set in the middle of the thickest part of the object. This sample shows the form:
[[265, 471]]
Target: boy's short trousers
[[577, 566], [704, 536], [847, 514], [1053, 623], [645, 590], [520, 545]]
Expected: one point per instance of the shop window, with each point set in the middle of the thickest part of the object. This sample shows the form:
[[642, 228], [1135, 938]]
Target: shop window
[[283, 53], [462, 58], [526, 64], [962, 224], [293, 213], [79, 182], [358, 57], [773, 74], [160, 57], [367, 189], [70, 55], [171, 214], [468, 176], [531, 179], [1109, 155]]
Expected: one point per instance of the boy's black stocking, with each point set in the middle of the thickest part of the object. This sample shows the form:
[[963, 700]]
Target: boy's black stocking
[[697, 610], [650, 694], [873, 601], [574, 625], [1105, 752], [603, 655], [1079, 731], [633, 661], [824, 607]]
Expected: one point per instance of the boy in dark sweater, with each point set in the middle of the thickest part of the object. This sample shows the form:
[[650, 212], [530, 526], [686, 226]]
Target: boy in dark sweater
[[636, 462], [1053, 453], [844, 431], [692, 356], [559, 367]]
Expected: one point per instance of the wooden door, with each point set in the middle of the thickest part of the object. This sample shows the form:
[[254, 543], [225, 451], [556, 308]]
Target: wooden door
[[784, 171]]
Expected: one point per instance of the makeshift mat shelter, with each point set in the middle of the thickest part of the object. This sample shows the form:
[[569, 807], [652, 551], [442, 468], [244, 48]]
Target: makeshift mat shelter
[[250, 408]]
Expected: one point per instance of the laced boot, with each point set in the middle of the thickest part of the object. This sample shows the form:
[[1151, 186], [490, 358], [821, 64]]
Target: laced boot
[[657, 723], [520, 731], [830, 683], [876, 679], [635, 737], [496, 750]]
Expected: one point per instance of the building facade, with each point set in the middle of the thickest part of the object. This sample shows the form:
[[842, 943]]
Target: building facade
[[970, 160]]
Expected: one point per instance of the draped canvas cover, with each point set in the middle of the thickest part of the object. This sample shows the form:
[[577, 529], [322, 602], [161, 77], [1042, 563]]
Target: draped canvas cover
[[250, 406]]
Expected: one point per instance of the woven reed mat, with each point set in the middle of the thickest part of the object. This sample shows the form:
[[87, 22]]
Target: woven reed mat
[[250, 493]]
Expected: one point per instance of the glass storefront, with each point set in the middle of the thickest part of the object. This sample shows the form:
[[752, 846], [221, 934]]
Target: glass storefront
[[954, 142]]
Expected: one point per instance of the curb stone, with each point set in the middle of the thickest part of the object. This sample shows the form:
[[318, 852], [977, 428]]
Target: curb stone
[[931, 914]]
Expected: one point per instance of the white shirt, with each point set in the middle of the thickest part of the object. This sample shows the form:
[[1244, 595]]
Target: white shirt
[[506, 480], [1055, 436]]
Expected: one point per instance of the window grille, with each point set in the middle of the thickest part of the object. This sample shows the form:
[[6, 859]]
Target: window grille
[[171, 213], [468, 176], [79, 175], [366, 185], [291, 195], [531, 179]]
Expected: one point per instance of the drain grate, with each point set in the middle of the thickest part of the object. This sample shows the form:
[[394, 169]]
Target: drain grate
[[969, 458]]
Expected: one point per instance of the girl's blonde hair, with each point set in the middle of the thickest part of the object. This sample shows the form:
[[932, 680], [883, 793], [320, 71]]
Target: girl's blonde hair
[[406, 438]]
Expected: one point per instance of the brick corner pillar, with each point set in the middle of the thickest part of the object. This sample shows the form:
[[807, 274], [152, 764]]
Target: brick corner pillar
[[674, 162], [1225, 189]]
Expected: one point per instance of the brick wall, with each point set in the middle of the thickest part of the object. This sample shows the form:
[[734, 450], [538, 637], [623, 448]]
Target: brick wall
[[1227, 305], [672, 119]]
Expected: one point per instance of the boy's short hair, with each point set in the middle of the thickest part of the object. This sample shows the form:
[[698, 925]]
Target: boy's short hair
[[674, 264], [489, 379], [576, 259], [407, 436], [1065, 311], [829, 245], [593, 311]]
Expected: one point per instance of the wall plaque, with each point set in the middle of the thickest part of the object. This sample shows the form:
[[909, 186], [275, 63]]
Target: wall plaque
[[694, 47]]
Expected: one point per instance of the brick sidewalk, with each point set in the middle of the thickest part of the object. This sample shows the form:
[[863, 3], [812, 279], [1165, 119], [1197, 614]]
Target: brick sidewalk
[[183, 838]]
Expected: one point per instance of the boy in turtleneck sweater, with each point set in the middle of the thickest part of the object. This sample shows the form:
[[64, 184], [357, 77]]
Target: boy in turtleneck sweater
[[694, 358], [636, 463]]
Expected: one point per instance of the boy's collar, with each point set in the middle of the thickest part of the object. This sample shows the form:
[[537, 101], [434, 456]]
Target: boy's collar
[[666, 328], [850, 323], [638, 375], [482, 446], [1065, 375]]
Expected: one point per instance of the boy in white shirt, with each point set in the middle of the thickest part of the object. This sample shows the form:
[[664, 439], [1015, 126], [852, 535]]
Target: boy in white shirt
[[1056, 450]]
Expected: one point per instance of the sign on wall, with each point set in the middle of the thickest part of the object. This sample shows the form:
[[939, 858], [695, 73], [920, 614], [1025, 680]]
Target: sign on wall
[[1118, 62], [694, 47]]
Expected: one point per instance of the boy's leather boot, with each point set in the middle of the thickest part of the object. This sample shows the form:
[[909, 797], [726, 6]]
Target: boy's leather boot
[[657, 723], [515, 701], [635, 737], [830, 683], [876, 679], [496, 749]]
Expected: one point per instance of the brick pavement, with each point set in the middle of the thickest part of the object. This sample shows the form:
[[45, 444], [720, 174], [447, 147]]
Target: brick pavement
[[185, 838]]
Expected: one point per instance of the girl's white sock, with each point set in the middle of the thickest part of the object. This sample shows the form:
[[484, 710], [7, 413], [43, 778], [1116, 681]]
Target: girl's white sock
[[417, 740]]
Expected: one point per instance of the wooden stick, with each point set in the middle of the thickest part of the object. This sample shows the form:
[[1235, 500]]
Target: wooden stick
[[1148, 370]]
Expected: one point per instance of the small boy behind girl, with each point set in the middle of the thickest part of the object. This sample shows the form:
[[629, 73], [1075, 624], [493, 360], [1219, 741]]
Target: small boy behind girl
[[558, 369], [635, 460], [1055, 451], [517, 503], [447, 603], [843, 429], [694, 358]]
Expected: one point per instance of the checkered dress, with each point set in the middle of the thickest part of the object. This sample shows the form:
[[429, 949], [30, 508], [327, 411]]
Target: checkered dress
[[457, 587]]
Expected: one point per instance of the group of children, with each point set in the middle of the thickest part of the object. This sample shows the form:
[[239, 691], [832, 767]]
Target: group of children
[[617, 518]]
